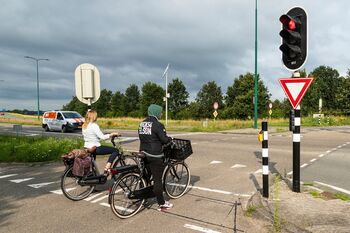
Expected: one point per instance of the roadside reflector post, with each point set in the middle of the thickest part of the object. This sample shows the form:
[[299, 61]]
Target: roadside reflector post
[[265, 159]]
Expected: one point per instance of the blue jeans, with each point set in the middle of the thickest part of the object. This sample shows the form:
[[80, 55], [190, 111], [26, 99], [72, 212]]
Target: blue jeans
[[105, 150]]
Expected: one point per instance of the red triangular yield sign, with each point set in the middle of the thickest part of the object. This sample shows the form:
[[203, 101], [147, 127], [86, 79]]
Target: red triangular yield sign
[[295, 88]]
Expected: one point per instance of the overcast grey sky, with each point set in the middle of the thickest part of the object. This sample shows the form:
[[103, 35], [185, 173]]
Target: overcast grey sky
[[132, 42]]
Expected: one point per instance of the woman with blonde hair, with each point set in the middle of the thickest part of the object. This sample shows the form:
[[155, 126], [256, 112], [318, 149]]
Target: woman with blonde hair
[[92, 136]]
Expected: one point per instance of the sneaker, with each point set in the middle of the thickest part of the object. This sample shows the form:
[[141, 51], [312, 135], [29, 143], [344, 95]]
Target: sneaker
[[166, 206]]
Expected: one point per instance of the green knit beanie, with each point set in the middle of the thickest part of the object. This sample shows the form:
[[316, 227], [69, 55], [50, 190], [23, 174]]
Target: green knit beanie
[[155, 110]]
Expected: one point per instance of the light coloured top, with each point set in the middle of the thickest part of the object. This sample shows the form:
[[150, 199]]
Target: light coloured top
[[92, 135]]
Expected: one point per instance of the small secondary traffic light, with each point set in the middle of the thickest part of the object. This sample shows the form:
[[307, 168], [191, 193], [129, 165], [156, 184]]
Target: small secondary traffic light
[[294, 38]]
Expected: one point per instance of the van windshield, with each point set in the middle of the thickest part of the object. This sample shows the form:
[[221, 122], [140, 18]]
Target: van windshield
[[71, 115]]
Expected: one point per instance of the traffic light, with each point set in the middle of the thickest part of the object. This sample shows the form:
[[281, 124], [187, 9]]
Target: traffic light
[[294, 38]]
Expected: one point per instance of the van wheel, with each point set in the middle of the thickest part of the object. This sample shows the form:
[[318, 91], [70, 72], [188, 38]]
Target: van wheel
[[64, 129], [47, 129]]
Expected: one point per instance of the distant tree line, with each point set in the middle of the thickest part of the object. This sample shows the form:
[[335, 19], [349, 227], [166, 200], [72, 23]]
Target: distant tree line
[[237, 103]]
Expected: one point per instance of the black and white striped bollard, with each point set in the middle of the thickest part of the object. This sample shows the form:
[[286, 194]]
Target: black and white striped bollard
[[265, 160], [296, 150]]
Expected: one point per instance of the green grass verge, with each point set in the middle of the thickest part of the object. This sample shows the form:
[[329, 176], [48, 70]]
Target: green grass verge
[[35, 149], [342, 196], [251, 209]]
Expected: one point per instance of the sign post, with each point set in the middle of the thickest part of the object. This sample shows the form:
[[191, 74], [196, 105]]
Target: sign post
[[87, 84], [215, 113], [295, 89]]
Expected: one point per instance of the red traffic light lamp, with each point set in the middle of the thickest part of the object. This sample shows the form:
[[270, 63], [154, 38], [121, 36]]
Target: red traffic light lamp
[[294, 38]]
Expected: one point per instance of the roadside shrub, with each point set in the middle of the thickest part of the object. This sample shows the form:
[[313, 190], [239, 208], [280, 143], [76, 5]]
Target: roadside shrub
[[35, 149]]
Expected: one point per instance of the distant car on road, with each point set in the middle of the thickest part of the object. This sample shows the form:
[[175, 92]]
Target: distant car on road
[[62, 121], [2, 114]]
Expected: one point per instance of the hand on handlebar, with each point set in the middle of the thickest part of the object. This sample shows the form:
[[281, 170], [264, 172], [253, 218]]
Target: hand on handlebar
[[116, 134]]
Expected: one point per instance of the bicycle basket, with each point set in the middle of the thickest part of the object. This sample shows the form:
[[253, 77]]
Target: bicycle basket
[[180, 149]]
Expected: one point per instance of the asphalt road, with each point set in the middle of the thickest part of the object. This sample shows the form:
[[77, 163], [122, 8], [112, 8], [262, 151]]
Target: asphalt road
[[225, 168]]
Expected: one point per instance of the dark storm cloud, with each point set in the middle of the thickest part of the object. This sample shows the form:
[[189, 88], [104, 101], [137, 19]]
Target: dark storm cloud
[[133, 41]]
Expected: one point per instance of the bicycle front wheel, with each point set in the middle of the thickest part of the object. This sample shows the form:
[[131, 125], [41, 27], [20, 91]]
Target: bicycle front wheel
[[121, 204], [176, 179], [72, 189]]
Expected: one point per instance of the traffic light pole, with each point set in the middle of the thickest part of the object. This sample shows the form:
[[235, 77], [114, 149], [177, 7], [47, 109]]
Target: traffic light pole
[[256, 69], [296, 145]]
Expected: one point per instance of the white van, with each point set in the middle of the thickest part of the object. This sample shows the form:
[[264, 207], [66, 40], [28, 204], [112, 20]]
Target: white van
[[62, 121]]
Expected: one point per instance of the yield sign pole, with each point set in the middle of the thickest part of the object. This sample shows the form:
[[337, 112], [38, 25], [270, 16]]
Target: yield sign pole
[[295, 89]]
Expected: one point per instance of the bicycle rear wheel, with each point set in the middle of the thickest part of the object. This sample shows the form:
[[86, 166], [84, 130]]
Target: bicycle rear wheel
[[121, 204], [176, 179], [70, 187]]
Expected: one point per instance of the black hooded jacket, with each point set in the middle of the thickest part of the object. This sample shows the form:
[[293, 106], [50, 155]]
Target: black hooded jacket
[[152, 136]]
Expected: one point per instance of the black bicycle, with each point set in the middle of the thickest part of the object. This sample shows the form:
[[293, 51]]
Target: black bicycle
[[134, 184], [77, 188]]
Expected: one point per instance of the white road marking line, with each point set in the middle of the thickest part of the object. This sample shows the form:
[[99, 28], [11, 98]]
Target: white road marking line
[[313, 160], [201, 229], [9, 175], [93, 196], [32, 135], [258, 171], [21, 180], [215, 162], [40, 185], [238, 165], [334, 187], [304, 165], [212, 190], [321, 155], [328, 151], [105, 204], [59, 191], [194, 143], [333, 149], [117, 207], [344, 144], [99, 199], [339, 147], [290, 173], [348, 143]]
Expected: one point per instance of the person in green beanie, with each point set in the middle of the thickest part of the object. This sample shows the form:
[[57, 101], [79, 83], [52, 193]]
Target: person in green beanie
[[153, 137]]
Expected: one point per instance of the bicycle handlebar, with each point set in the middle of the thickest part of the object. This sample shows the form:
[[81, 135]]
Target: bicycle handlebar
[[113, 137]]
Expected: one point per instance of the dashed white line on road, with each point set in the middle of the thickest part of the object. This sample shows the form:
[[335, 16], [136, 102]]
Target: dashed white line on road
[[9, 175], [215, 162], [304, 165], [328, 151], [238, 166], [93, 196], [99, 199], [334, 187], [321, 155], [201, 229], [58, 191], [290, 173], [339, 147], [40, 185], [313, 160], [21, 180], [258, 171]]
